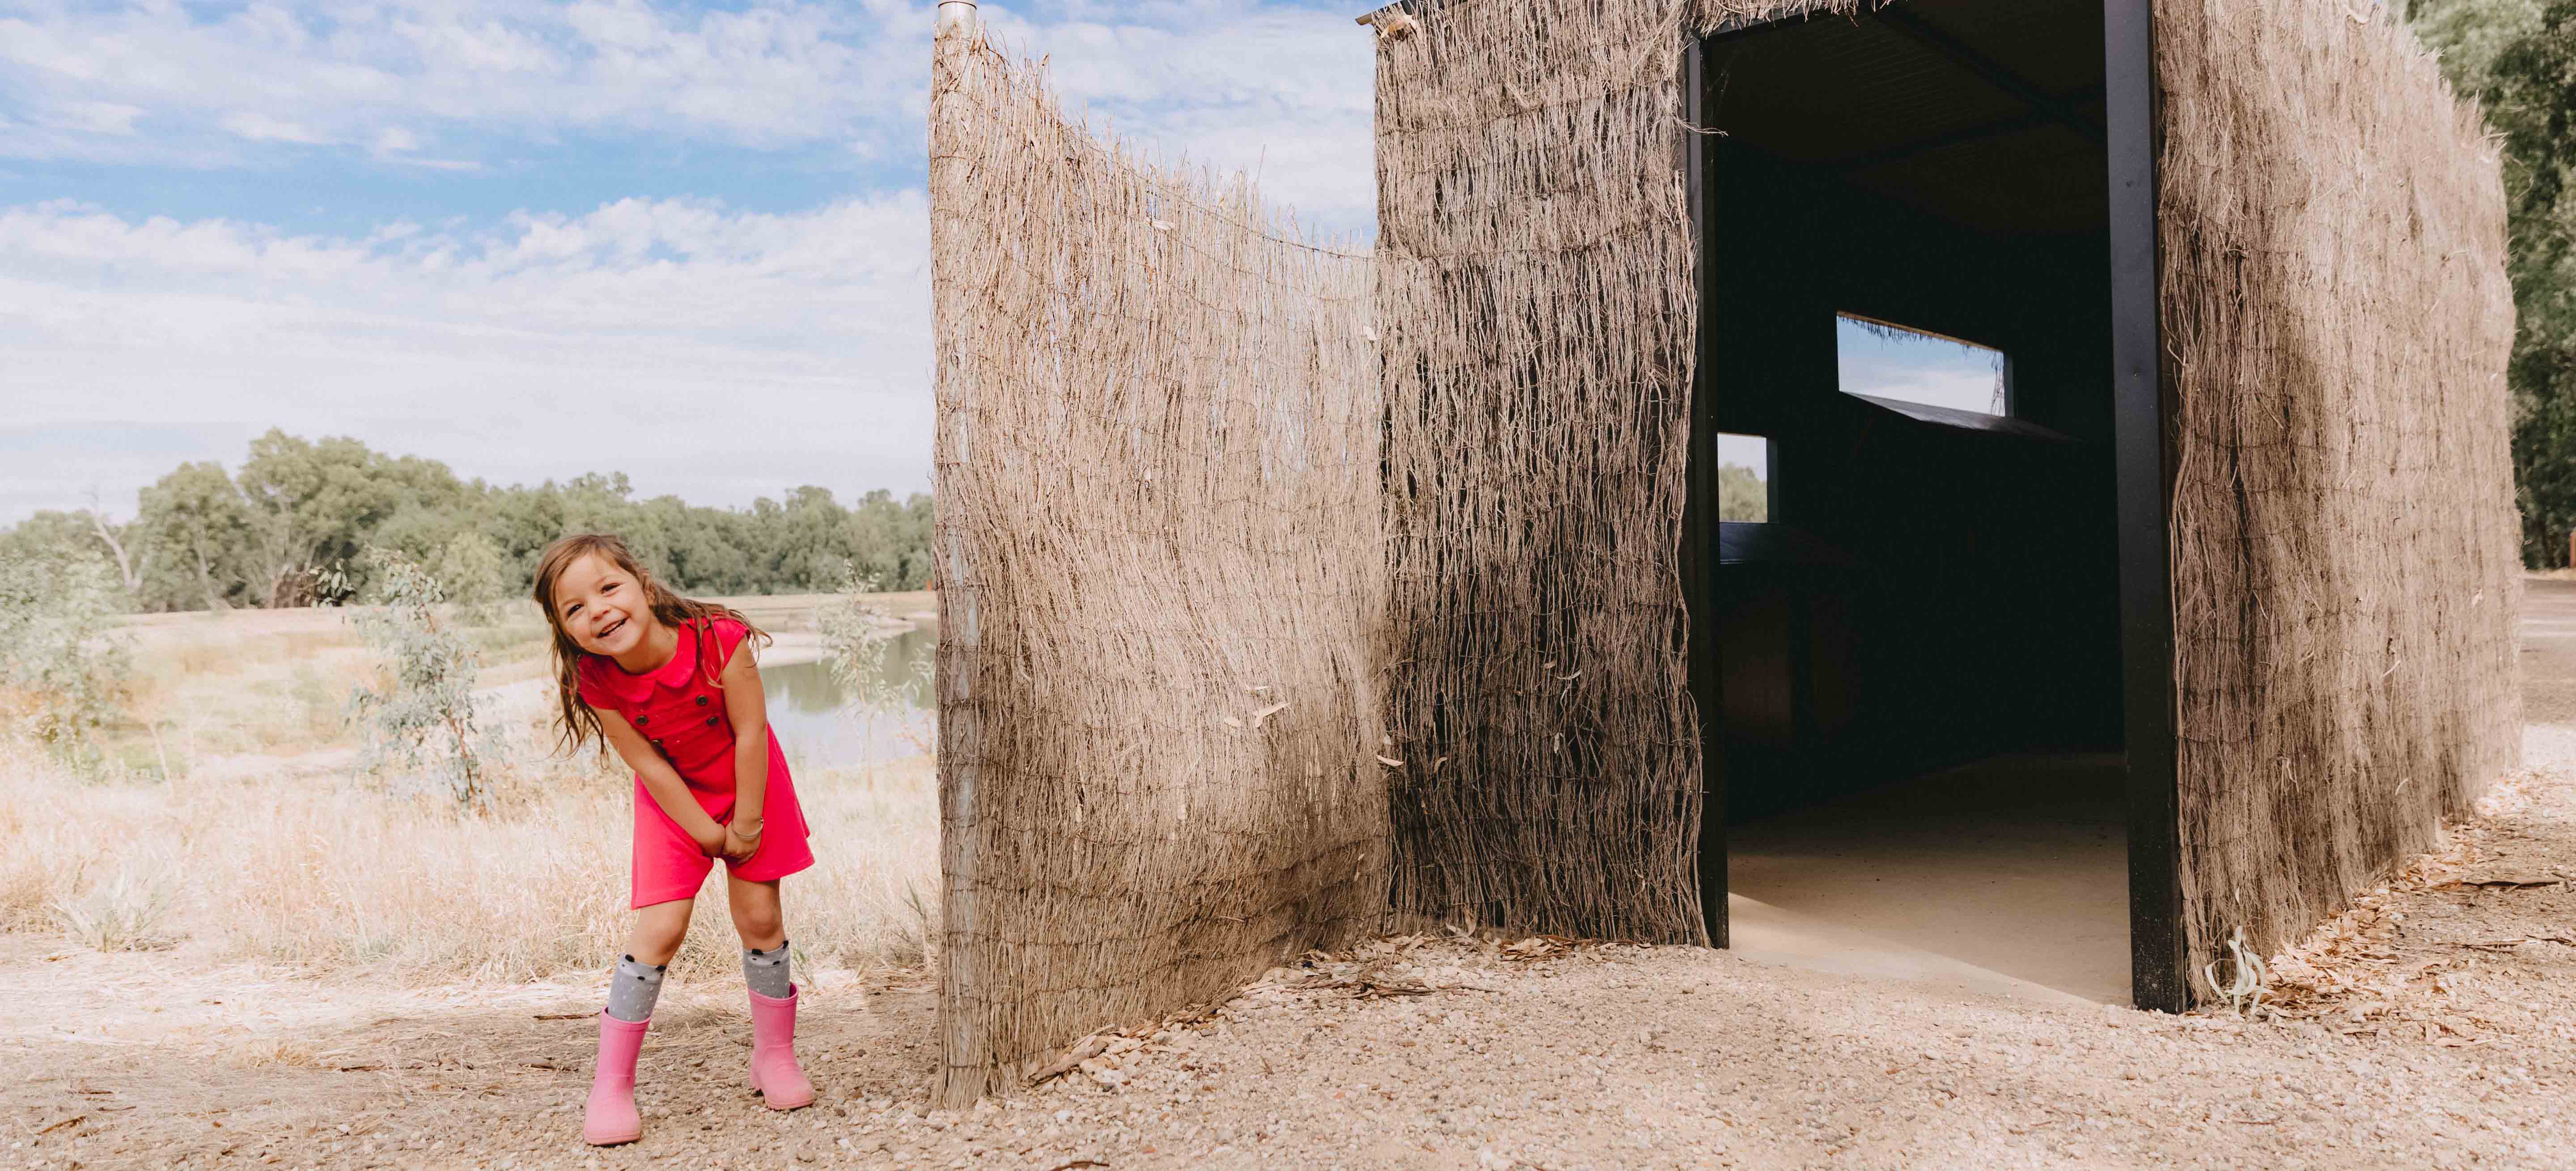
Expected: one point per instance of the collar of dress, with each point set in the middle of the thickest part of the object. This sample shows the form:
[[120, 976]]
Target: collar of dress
[[629, 688]]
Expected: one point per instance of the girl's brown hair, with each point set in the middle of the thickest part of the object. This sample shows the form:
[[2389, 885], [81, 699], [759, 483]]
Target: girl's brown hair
[[580, 723]]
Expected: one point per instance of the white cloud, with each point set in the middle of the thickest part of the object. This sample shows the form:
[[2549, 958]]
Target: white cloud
[[713, 353], [705, 350], [1213, 80], [97, 117], [1285, 96], [395, 144], [334, 73], [434, 164], [259, 127]]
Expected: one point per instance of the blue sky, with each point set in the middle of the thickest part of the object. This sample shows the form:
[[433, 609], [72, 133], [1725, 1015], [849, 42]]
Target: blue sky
[[1916, 367], [683, 241]]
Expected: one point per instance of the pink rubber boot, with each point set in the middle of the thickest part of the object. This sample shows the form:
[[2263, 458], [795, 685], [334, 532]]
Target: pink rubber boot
[[774, 1073], [610, 1118]]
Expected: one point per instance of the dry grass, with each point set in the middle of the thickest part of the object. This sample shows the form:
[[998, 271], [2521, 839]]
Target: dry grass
[[273, 851], [277, 682], [334, 873], [262, 845], [272, 682]]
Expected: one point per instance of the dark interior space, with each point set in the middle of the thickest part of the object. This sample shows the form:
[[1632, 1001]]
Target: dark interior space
[[1922, 635], [1933, 586]]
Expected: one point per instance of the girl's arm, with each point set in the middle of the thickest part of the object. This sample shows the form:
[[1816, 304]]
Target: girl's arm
[[662, 781], [749, 711]]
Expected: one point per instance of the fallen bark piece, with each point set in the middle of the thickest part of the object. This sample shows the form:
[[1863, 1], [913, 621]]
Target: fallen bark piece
[[2514, 880], [1082, 1050], [2510, 944]]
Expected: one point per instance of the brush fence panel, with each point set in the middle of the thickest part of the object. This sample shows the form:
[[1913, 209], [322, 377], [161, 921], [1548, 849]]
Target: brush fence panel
[[2336, 324], [1160, 579], [1535, 270]]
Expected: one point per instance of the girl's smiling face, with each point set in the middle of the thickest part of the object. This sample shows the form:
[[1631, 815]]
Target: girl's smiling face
[[602, 607]]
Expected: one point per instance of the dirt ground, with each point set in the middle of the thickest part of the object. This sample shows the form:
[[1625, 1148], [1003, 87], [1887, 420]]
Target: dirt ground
[[2549, 650], [2434, 1027]]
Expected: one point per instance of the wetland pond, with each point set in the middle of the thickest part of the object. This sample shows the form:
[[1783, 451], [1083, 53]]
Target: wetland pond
[[821, 725]]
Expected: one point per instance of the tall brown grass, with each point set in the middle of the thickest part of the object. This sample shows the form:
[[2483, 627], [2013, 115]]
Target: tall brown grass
[[272, 682], [263, 845], [341, 875]]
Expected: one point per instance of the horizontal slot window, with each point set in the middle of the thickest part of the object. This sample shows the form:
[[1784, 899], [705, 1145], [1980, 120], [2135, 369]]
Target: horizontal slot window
[[1882, 360]]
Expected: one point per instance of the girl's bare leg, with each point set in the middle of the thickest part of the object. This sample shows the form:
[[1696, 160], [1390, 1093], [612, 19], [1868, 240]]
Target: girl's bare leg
[[756, 914], [757, 919], [658, 931]]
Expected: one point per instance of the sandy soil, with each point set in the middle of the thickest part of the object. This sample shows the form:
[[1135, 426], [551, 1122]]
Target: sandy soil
[[2549, 650], [2459, 1050], [2435, 1027], [1427, 1054]]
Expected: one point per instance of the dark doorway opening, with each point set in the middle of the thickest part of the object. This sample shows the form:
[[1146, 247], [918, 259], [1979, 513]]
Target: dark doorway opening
[[1911, 668]]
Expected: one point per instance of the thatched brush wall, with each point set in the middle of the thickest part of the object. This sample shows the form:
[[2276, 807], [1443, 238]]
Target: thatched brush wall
[[1534, 256], [2336, 323], [1160, 580], [1535, 269]]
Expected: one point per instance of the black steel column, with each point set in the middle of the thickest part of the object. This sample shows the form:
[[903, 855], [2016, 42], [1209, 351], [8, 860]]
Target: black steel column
[[1699, 511], [2159, 971]]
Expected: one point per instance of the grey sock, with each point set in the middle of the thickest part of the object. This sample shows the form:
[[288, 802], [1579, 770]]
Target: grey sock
[[632, 989], [766, 971]]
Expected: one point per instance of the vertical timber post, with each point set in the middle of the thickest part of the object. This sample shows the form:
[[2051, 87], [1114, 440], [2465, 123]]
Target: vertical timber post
[[965, 1053], [2158, 971], [1699, 507]]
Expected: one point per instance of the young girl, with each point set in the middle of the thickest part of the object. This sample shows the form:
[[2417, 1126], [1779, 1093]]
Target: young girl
[[658, 677]]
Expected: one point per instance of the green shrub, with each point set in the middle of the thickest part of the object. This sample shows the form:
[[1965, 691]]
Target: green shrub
[[424, 719], [857, 637], [65, 667]]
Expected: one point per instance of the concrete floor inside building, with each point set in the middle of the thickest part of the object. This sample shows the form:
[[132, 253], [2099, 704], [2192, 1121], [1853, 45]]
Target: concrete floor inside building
[[2005, 877]]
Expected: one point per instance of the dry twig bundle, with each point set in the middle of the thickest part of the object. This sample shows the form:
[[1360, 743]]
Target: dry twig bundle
[[1535, 263], [1160, 579], [2336, 321]]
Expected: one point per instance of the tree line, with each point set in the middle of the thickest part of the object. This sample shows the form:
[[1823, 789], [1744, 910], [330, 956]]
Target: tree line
[[287, 527]]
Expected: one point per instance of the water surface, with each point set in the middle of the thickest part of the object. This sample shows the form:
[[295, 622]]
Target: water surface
[[823, 726]]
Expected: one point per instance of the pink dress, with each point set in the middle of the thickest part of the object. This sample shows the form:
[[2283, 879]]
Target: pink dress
[[680, 708]]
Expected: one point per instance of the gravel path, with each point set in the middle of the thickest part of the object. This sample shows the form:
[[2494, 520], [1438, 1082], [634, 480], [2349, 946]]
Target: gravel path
[[1420, 1053], [2434, 1026]]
